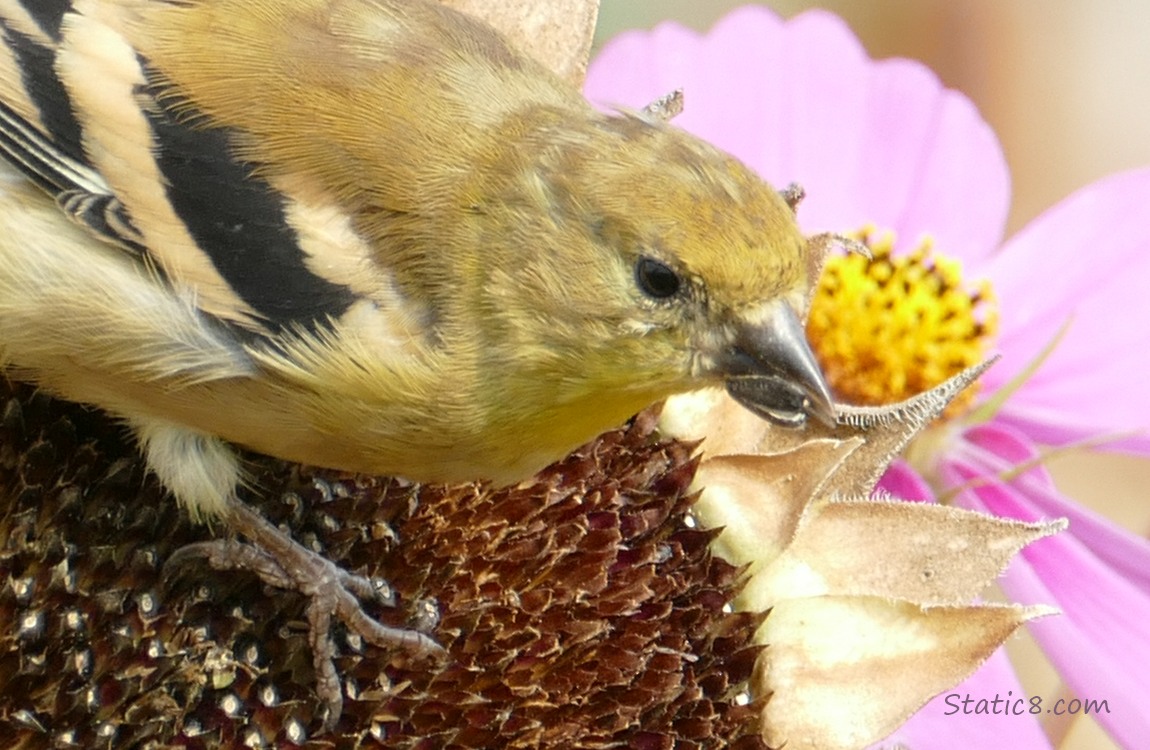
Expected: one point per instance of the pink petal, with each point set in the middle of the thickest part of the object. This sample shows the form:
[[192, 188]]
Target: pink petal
[[1127, 553], [880, 144], [928, 155], [904, 483], [732, 79], [1091, 672], [949, 722], [637, 67], [1087, 260], [1101, 635], [1012, 446], [823, 93]]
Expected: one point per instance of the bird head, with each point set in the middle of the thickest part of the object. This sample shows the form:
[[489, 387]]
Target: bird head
[[648, 261]]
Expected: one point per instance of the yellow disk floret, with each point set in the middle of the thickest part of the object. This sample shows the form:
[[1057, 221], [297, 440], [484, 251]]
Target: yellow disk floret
[[886, 328]]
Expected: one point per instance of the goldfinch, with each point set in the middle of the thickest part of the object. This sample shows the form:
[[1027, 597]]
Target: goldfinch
[[368, 235]]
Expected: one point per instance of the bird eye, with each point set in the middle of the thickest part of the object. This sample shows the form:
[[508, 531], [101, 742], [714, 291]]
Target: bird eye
[[656, 279]]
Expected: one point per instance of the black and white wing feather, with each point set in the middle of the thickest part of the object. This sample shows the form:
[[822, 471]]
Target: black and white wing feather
[[87, 117]]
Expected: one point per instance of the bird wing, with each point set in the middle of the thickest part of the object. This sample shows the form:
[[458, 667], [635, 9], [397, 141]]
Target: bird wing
[[39, 130]]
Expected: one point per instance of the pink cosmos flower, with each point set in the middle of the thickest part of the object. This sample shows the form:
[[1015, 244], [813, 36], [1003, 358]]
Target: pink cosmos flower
[[883, 144]]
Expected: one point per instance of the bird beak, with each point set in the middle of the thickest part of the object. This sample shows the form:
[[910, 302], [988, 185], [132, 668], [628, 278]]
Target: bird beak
[[771, 370]]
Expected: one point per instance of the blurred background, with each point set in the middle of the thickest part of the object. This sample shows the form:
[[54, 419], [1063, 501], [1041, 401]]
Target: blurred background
[[1066, 86]]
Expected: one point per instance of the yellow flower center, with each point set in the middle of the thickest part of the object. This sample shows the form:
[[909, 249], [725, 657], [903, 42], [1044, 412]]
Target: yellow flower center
[[885, 328]]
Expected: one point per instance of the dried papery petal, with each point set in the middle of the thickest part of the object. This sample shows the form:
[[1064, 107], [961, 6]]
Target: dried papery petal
[[868, 600], [886, 431], [557, 33], [845, 671], [757, 501], [928, 554], [725, 426]]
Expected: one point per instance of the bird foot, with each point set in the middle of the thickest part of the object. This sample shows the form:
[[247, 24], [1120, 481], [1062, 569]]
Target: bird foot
[[332, 592]]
